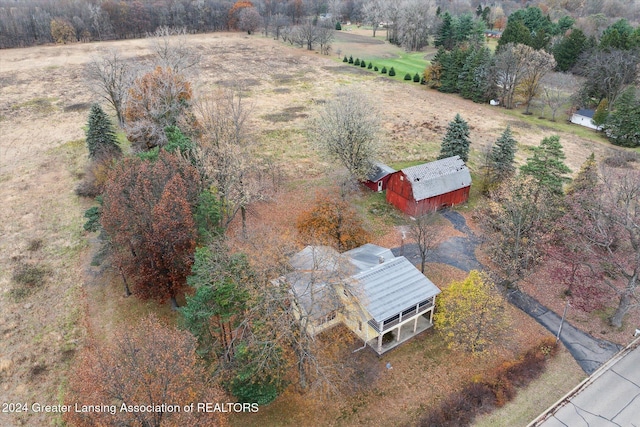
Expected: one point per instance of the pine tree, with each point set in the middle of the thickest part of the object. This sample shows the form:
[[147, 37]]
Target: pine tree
[[601, 113], [502, 156], [546, 166], [101, 138], [456, 142], [444, 35], [587, 177]]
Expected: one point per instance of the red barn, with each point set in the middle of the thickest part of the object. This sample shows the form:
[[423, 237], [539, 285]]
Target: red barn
[[379, 177], [430, 186]]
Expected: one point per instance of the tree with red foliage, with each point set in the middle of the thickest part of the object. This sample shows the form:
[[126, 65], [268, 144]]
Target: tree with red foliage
[[146, 364], [148, 215], [600, 236]]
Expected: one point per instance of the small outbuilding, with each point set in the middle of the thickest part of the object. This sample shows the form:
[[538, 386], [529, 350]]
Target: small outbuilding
[[584, 117], [431, 186], [379, 177]]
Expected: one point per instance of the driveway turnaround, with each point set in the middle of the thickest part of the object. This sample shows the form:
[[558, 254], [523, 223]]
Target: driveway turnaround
[[609, 397]]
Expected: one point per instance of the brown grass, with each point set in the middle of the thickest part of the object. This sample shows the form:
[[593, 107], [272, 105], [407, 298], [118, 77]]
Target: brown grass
[[43, 99]]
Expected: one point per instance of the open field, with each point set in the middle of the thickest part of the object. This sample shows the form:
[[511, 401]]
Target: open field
[[44, 103]]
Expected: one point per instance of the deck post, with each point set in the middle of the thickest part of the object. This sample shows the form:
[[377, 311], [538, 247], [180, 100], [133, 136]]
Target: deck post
[[415, 324], [398, 337]]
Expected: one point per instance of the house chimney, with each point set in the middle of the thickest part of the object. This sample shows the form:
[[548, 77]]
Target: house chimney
[[380, 259]]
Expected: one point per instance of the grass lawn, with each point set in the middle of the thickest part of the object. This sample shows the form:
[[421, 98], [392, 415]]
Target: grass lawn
[[407, 62]]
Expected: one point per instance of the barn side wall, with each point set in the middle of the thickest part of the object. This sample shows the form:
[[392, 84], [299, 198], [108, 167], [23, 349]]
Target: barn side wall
[[443, 200], [399, 192]]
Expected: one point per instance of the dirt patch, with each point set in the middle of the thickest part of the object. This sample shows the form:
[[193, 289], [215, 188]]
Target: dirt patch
[[348, 69]]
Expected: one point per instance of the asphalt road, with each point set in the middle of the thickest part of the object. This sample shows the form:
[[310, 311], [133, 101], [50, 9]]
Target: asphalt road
[[610, 397]]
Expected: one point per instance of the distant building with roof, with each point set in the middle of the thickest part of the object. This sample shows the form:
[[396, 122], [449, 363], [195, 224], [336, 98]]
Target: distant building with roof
[[420, 189], [374, 293], [584, 117], [379, 177]]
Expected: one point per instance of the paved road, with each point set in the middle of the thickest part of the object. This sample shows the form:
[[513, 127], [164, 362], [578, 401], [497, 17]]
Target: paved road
[[459, 252], [610, 397]]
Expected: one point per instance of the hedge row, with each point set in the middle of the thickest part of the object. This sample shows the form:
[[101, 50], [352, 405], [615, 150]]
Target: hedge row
[[391, 71], [481, 396]]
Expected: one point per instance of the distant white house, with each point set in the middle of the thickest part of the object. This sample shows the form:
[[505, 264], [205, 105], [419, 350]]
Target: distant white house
[[584, 118]]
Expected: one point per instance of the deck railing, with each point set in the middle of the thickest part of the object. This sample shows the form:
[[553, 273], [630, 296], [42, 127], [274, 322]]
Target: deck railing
[[410, 315]]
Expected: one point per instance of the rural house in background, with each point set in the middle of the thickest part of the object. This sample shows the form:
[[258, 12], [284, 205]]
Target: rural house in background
[[379, 177], [424, 188], [371, 291], [584, 117]]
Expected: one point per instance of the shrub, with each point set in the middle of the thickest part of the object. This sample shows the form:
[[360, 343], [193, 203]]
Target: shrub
[[345, 59], [363, 64], [479, 396], [338, 26], [384, 70], [392, 72], [357, 62], [28, 279], [350, 59], [370, 66], [416, 77], [375, 68], [95, 178], [407, 76]]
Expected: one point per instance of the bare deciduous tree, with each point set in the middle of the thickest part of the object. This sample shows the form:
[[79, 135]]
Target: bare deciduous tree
[[608, 73], [425, 231], [538, 64], [226, 154], [171, 47], [415, 23], [345, 130], [557, 90], [110, 77], [373, 14], [249, 20]]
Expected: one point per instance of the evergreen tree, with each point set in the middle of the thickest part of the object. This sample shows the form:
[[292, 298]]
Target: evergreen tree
[[622, 126], [445, 33], [473, 79], [456, 142], [101, 138], [587, 178], [601, 113], [617, 36], [568, 50], [546, 166], [516, 32], [502, 156]]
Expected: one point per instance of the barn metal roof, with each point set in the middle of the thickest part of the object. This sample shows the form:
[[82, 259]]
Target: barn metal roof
[[439, 177], [379, 171], [393, 286]]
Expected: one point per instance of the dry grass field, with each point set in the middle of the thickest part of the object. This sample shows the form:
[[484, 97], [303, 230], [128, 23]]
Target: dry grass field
[[50, 297]]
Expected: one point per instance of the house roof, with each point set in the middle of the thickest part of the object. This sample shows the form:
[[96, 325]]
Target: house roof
[[393, 286], [312, 292], [315, 258], [585, 112], [368, 256], [379, 171], [439, 177]]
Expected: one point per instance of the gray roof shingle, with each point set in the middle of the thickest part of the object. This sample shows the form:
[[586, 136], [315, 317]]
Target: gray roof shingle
[[439, 177]]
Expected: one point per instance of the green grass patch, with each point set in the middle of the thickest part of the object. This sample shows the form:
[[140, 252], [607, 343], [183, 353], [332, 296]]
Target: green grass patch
[[407, 62], [37, 105], [560, 125], [27, 280]]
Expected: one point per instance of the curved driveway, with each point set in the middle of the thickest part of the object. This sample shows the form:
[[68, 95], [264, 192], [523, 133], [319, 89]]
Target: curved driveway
[[459, 252]]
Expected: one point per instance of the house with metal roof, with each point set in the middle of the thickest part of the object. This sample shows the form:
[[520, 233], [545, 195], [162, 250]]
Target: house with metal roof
[[584, 117], [383, 299], [379, 177], [420, 189]]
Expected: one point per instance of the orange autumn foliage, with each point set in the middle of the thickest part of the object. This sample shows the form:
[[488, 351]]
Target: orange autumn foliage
[[144, 364], [333, 222], [234, 12]]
